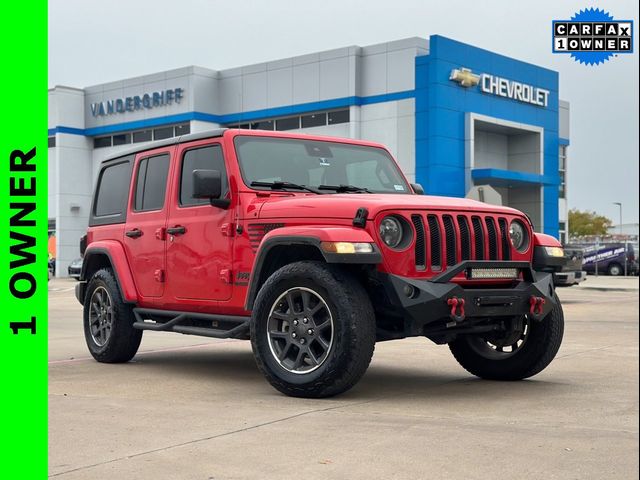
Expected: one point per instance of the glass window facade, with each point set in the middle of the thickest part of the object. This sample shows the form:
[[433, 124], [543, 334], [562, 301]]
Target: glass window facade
[[125, 138], [562, 170], [315, 119]]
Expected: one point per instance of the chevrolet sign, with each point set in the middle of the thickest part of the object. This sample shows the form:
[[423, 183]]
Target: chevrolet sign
[[464, 77], [501, 87]]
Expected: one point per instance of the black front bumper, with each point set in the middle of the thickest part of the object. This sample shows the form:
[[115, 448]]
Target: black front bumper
[[425, 302], [74, 272]]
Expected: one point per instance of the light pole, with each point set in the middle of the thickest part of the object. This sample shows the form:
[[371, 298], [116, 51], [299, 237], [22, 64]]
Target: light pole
[[619, 205], [625, 243]]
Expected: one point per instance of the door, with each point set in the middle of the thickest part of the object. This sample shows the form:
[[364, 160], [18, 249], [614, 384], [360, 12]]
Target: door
[[146, 220], [199, 252]]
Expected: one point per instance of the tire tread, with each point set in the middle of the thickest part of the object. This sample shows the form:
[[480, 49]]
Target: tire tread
[[352, 362], [124, 340], [542, 349]]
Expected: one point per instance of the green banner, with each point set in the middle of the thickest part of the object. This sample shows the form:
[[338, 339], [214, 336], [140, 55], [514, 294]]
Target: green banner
[[23, 241]]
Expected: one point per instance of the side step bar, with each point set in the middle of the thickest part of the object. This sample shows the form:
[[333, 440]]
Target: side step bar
[[192, 323]]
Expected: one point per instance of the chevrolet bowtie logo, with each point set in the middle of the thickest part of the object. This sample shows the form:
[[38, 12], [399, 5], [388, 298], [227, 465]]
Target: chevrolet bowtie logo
[[464, 77]]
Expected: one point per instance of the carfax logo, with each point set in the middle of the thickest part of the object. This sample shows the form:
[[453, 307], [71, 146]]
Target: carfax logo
[[592, 36]]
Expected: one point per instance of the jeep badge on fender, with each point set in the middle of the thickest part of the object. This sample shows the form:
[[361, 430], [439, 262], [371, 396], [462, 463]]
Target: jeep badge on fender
[[314, 248]]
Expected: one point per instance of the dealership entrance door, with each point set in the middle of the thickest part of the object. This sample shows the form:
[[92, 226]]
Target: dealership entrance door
[[508, 156]]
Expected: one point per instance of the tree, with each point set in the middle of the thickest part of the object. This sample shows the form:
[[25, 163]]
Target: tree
[[587, 223]]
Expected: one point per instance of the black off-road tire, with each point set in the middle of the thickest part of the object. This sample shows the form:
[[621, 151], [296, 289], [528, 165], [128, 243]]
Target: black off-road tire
[[542, 343], [354, 335], [123, 340]]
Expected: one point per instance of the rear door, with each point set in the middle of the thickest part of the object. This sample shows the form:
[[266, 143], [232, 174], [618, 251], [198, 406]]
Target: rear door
[[199, 254], [144, 237]]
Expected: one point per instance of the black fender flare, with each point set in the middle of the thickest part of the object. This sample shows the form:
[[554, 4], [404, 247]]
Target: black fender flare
[[267, 246]]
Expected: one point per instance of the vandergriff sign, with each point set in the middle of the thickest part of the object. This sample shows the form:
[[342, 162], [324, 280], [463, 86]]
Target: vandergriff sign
[[501, 87], [137, 102]]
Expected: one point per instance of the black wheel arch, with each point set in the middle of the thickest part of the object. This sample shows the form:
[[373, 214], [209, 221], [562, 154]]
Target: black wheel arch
[[94, 260], [276, 252]]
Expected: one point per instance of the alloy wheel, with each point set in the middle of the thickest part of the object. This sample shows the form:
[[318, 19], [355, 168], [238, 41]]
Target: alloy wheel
[[100, 316], [300, 330]]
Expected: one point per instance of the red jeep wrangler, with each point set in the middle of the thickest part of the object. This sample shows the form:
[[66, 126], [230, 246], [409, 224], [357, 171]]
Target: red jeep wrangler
[[314, 248]]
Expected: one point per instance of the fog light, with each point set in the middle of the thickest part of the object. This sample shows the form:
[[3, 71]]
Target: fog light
[[347, 247], [409, 290]]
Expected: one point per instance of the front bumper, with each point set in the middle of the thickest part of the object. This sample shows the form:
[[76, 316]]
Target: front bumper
[[74, 272], [430, 300], [570, 278]]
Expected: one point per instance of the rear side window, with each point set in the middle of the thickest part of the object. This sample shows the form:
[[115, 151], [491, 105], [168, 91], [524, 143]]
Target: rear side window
[[206, 158], [151, 183], [113, 190]]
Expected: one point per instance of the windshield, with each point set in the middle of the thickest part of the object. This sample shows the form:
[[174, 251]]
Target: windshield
[[316, 164]]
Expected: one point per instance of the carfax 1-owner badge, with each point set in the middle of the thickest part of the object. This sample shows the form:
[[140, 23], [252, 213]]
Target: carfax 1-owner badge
[[592, 36]]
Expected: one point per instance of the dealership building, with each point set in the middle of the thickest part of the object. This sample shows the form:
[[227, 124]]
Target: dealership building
[[460, 120]]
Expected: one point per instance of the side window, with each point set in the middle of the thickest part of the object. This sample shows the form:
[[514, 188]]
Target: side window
[[205, 158], [151, 183], [113, 185]]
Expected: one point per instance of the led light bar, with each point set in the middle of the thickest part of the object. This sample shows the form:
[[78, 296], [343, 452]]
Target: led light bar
[[492, 273]]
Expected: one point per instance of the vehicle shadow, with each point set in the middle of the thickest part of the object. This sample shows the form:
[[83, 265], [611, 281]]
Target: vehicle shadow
[[424, 381], [238, 367]]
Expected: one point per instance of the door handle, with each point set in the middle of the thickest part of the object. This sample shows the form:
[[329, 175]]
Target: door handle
[[177, 230], [135, 233]]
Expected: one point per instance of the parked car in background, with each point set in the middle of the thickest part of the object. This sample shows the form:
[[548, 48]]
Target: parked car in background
[[572, 272], [75, 268], [610, 258]]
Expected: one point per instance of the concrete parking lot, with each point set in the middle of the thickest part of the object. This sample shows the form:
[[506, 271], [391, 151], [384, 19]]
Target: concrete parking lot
[[194, 408]]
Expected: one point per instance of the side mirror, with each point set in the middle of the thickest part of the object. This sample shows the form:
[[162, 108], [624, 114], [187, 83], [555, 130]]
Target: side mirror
[[208, 184], [417, 188]]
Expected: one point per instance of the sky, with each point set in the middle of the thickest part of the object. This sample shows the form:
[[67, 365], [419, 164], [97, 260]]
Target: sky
[[92, 42]]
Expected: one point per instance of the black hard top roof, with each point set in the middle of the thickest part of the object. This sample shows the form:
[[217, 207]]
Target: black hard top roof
[[169, 141]]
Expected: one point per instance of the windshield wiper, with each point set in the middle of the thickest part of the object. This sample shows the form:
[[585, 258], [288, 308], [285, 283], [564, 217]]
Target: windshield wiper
[[284, 185], [344, 188]]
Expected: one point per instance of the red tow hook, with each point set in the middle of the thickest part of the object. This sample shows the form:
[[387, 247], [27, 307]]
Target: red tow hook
[[536, 305], [457, 308]]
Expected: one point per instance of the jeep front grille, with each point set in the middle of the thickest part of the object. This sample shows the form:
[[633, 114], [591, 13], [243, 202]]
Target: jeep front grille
[[450, 239], [420, 248], [504, 237], [478, 236], [466, 237], [493, 238], [434, 238]]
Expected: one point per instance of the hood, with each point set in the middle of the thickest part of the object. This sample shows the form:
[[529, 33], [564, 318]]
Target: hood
[[345, 205]]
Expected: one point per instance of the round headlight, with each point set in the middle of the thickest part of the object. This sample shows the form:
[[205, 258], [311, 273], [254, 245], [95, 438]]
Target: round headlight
[[519, 236], [391, 231]]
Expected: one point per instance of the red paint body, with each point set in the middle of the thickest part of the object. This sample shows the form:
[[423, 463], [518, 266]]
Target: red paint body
[[208, 268]]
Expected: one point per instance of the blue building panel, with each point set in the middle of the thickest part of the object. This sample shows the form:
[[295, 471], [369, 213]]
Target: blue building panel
[[506, 178], [441, 179], [441, 132]]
